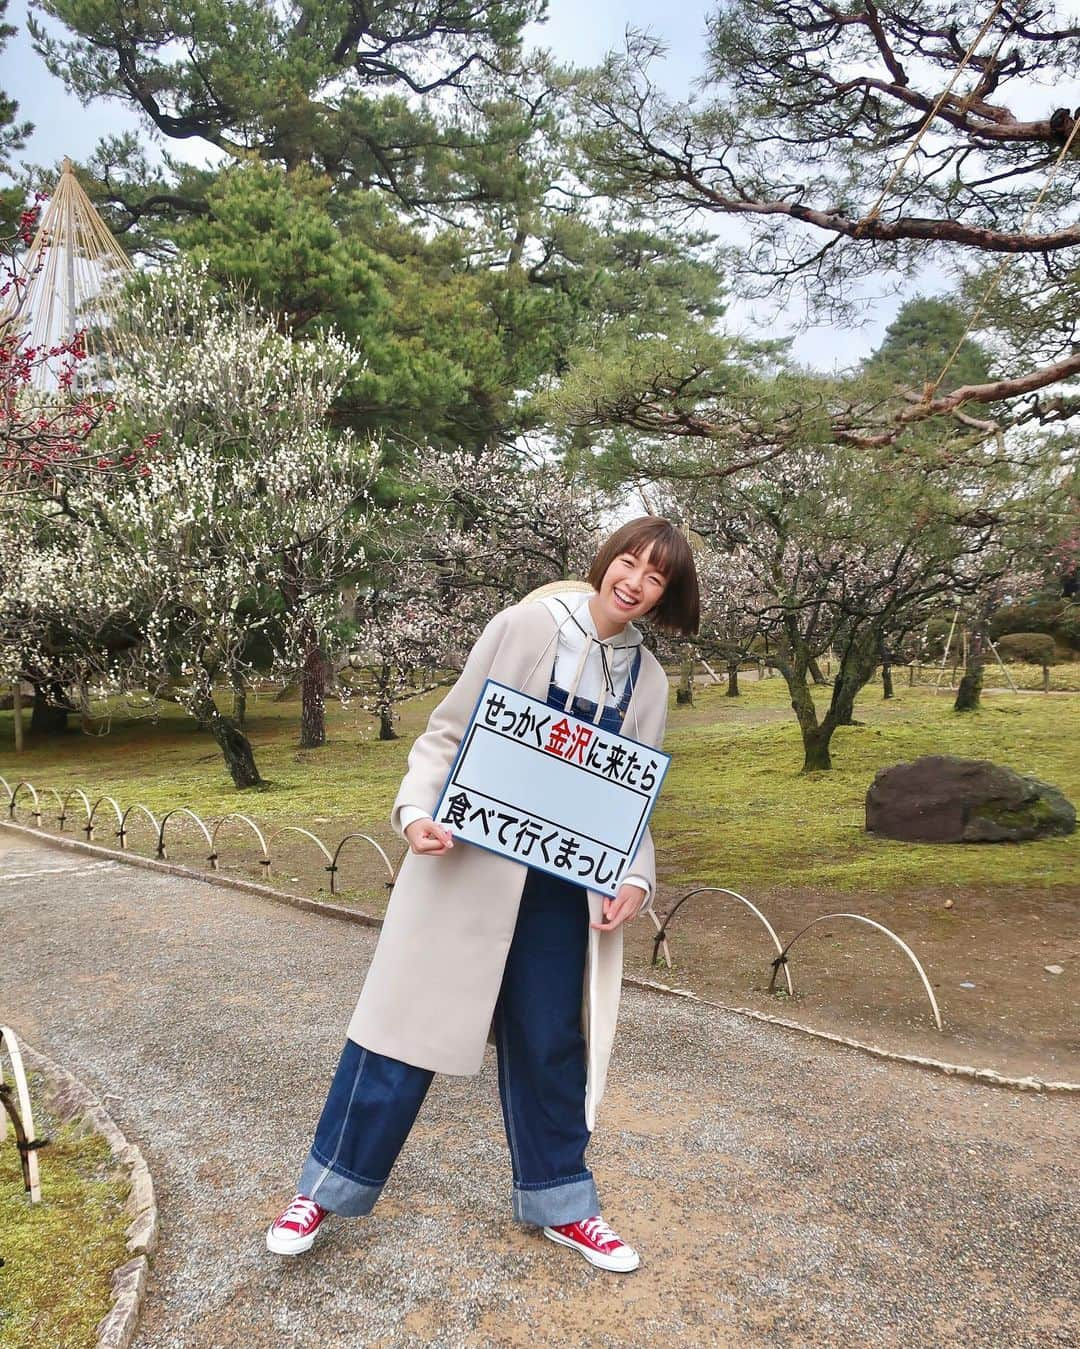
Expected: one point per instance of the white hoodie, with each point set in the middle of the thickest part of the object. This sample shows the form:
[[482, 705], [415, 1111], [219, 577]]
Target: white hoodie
[[599, 669]]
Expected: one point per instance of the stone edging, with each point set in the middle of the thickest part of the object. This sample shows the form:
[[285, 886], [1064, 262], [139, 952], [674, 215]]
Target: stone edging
[[983, 1076], [70, 1100]]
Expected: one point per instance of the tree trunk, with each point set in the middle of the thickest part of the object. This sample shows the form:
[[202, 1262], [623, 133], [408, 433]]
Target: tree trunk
[[684, 694], [815, 672], [313, 695], [815, 736], [732, 679], [386, 705], [51, 708], [970, 690], [843, 702], [85, 719], [17, 714], [239, 704], [232, 742], [886, 672], [816, 756]]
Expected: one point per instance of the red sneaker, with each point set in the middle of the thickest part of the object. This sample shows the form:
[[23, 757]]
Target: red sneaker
[[294, 1230], [597, 1243]]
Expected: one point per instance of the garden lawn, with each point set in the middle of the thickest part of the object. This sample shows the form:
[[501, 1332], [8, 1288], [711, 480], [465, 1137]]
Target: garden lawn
[[735, 809], [59, 1255]]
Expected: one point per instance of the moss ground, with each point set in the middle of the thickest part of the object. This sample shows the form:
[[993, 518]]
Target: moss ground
[[735, 804], [58, 1254], [736, 811]]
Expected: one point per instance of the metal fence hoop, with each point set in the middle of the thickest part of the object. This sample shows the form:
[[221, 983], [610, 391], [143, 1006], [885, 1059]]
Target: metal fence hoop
[[93, 811], [28, 1144], [861, 918], [296, 829], [235, 815], [333, 868], [6, 787], [74, 791], [179, 810], [723, 890], [60, 803], [33, 792], [661, 942], [123, 832]]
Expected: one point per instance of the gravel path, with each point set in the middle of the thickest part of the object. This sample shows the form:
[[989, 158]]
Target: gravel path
[[780, 1191]]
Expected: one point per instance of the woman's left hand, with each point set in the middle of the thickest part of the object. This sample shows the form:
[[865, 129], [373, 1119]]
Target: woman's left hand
[[626, 904]]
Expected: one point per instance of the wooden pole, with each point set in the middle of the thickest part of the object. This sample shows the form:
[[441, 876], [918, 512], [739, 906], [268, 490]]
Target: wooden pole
[[945, 656], [709, 668], [1005, 672]]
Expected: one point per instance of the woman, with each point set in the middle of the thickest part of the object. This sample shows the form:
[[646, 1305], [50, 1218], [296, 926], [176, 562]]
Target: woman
[[474, 941]]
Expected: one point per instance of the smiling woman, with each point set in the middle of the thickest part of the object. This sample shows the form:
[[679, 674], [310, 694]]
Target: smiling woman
[[476, 941], [645, 569]]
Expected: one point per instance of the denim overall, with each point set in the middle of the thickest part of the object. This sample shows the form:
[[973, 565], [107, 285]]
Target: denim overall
[[374, 1100]]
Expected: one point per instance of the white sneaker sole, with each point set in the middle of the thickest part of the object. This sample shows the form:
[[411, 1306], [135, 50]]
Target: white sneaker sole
[[618, 1264], [277, 1244]]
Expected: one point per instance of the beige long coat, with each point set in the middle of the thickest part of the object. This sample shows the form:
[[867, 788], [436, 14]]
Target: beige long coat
[[431, 989]]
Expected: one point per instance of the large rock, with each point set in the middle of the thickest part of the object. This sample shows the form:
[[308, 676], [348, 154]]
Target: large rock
[[943, 799]]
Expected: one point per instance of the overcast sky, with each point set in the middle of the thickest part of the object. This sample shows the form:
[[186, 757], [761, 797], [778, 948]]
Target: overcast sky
[[578, 31]]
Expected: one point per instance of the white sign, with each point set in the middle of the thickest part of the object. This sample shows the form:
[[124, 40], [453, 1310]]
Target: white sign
[[532, 783]]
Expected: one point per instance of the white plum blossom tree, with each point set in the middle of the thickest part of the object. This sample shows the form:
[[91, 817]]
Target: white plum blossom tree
[[225, 554], [483, 531]]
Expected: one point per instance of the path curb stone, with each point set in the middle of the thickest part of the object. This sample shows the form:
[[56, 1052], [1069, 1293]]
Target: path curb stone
[[71, 1101]]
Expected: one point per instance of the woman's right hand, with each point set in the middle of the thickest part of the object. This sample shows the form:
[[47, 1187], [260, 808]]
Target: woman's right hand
[[428, 839]]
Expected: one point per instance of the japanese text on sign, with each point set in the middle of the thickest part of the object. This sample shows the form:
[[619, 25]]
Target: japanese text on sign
[[535, 784]]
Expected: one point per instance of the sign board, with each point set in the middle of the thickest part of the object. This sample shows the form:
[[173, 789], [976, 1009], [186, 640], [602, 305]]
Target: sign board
[[544, 788]]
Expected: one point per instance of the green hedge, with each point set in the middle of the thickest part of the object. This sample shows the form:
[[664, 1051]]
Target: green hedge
[[1059, 619], [1033, 648]]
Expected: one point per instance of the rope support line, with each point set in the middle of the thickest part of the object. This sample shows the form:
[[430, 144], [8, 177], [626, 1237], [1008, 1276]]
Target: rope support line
[[995, 280], [872, 214]]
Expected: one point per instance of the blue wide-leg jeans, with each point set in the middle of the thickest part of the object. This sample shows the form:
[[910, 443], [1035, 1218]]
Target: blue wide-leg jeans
[[374, 1100]]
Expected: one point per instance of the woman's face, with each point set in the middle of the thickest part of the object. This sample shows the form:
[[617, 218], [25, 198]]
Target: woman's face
[[631, 587]]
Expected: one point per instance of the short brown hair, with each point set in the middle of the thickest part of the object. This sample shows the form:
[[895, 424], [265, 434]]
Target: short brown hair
[[679, 610]]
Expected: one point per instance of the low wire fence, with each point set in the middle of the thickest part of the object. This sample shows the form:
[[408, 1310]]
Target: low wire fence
[[104, 818], [104, 815]]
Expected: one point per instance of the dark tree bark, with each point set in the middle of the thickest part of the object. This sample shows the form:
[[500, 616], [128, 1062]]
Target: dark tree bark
[[684, 694], [886, 673], [969, 693], [386, 707], [732, 679], [855, 669], [233, 743], [51, 709], [815, 672], [313, 695], [887, 682]]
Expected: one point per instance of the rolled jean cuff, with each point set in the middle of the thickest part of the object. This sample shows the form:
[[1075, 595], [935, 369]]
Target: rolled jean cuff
[[553, 1205], [349, 1196]]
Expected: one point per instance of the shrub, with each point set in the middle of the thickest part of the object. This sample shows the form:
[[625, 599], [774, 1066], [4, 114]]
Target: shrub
[[1059, 619], [1033, 648]]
